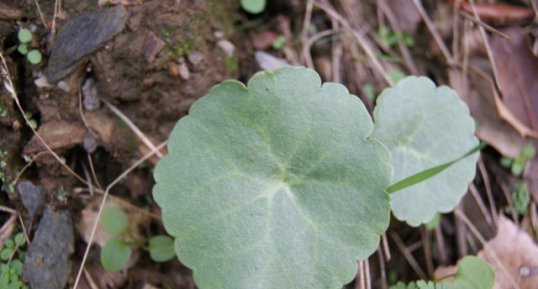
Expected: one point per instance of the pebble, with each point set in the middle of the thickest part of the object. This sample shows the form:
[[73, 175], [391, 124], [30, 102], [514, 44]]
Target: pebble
[[90, 99], [267, 61], [47, 264], [81, 36], [32, 196]]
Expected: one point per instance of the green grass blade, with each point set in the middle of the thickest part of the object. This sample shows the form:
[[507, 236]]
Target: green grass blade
[[431, 172]]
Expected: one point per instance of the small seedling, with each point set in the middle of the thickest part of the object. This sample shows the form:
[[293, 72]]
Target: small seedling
[[520, 198], [12, 258], [279, 43], [390, 38], [116, 253], [25, 37], [285, 182], [473, 273], [517, 165], [253, 6]]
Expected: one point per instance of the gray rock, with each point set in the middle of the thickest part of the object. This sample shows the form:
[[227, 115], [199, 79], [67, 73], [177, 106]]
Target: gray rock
[[82, 36], [32, 196], [90, 101], [47, 264]]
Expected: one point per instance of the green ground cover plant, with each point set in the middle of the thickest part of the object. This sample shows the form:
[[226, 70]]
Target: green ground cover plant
[[284, 182], [117, 252]]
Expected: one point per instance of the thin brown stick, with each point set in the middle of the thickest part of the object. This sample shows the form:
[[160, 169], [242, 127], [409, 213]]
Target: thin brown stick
[[90, 280], [489, 52], [487, 185], [408, 256], [486, 26], [385, 245], [367, 274], [310, 41], [434, 32], [426, 249], [461, 232], [132, 126], [359, 280], [358, 36], [382, 270], [481, 205], [443, 256]]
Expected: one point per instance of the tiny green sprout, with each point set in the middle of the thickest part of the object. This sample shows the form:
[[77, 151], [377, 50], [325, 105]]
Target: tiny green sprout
[[24, 35], [12, 258], [34, 56], [369, 91], [396, 75], [434, 223], [253, 6], [520, 198], [279, 43], [116, 253], [390, 38], [518, 164]]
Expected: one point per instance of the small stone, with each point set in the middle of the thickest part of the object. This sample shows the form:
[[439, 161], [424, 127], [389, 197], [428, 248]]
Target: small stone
[[32, 196], [183, 71], [268, 61], [153, 46], [227, 47], [82, 36], [47, 264], [89, 143], [196, 59], [89, 92]]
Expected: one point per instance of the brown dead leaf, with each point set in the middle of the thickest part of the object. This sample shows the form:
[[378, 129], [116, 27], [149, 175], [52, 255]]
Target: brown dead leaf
[[58, 135], [408, 16], [89, 215], [498, 12], [262, 40], [512, 253], [479, 96], [8, 12], [517, 71]]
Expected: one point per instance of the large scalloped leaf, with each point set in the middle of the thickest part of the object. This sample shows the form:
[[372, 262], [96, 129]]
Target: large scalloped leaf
[[274, 186], [425, 126]]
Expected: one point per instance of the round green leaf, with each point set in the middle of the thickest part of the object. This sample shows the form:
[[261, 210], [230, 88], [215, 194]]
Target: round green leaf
[[253, 6], [114, 220], [115, 255], [161, 248], [34, 56], [6, 253], [20, 240], [474, 273], [24, 35], [275, 185], [22, 49], [425, 126], [9, 243]]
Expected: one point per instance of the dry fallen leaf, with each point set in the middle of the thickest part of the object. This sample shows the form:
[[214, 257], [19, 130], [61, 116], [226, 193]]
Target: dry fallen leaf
[[499, 13], [89, 215], [513, 255], [517, 71], [479, 96]]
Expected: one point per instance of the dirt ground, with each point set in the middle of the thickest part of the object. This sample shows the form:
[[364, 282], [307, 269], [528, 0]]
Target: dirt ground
[[116, 75]]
